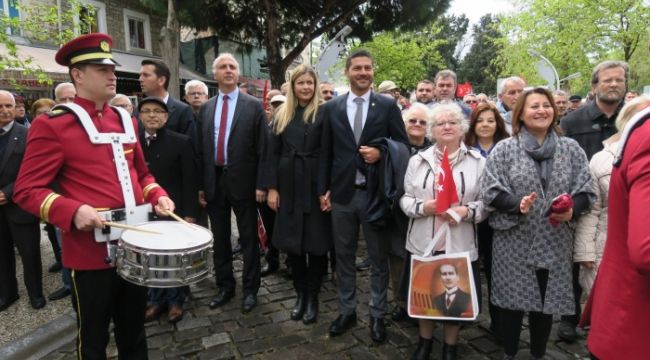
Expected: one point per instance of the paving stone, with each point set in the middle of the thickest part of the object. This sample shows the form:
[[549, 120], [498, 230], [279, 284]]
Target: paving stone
[[360, 353], [577, 348], [159, 341], [183, 350], [253, 320], [215, 340], [156, 355], [268, 308], [472, 332], [391, 353], [253, 347], [183, 335], [281, 295], [281, 287], [279, 316], [187, 324], [287, 341], [342, 342], [398, 339], [268, 330], [484, 345], [221, 352], [159, 329], [242, 334]]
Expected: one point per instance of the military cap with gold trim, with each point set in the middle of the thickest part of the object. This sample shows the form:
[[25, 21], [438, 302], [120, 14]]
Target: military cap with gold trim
[[92, 48]]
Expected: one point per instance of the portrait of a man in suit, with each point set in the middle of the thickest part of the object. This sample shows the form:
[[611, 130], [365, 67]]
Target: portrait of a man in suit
[[453, 302]]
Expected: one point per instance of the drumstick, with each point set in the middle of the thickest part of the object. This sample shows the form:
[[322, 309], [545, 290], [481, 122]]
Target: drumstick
[[179, 219], [129, 227]]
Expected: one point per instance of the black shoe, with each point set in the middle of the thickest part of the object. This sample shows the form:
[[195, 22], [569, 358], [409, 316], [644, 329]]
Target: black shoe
[[311, 312], [398, 313], [364, 265], [248, 303], [449, 352], [567, 332], [269, 269], [221, 298], [59, 294], [56, 267], [37, 302], [423, 351], [377, 330], [5, 303], [299, 308], [342, 324]]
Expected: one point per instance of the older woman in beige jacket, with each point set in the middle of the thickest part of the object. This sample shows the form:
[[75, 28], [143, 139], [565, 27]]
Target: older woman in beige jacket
[[591, 229], [448, 127]]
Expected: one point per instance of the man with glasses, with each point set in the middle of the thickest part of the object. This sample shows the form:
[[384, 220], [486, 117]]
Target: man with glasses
[[196, 94], [470, 101], [590, 125]]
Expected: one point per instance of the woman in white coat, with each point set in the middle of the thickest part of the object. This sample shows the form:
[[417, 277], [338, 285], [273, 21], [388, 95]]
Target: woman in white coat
[[448, 127]]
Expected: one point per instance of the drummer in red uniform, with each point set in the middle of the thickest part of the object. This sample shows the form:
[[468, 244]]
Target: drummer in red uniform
[[83, 166]]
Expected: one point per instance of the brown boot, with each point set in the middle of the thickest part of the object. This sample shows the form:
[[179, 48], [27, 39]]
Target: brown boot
[[152, 313], [175, 313]]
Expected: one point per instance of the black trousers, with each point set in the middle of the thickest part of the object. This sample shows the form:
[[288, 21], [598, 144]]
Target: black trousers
[[308, 271], [246, 213], [26, 237], [51, 235], [485, 235], [539, 323], [268, 217], [577, 294], [99, 296]]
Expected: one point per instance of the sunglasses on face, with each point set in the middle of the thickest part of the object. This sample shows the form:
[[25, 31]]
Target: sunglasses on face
[[418, 121], [471, 101]]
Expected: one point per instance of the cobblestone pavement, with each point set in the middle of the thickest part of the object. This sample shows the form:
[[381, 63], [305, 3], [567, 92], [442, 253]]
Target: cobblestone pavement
[[21, 318], [268, 333]]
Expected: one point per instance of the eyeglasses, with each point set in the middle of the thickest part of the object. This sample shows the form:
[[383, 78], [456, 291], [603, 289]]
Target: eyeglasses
[[123, 106], [156, 111], [450, 123], [196, 94], [417, 121], [471, 102]]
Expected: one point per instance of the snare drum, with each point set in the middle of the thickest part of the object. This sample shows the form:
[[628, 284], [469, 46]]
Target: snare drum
[[177, 257]]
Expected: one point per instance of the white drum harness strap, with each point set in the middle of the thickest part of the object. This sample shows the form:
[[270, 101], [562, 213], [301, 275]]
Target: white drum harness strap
[[133, 214]]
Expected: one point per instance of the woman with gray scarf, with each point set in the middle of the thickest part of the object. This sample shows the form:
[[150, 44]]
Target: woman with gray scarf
[[532, 259]]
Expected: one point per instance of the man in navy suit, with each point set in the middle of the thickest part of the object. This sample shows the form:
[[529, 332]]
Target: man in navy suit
[[154, 80], [232, 132], [17, 227], [350, 122]]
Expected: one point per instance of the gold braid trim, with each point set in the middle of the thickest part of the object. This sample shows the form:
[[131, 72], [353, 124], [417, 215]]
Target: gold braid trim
[[148, 188], [46, 204]]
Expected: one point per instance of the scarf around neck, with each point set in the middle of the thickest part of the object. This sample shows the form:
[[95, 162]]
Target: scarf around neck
[[542, 154]]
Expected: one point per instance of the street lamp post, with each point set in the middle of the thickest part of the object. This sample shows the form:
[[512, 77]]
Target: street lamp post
[[543, 68]]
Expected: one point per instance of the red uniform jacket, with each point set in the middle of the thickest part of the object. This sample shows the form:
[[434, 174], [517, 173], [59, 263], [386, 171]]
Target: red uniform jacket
[[59, 152], [619, 303]]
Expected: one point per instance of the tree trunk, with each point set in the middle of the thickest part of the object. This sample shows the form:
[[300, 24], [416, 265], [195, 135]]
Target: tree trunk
[[276, 70], [170, 39]]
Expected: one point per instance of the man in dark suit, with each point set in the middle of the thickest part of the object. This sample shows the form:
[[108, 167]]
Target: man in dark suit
[[170, 159], [232, 134], [349, 122], [17, 227], [154, 80], [453, 301]]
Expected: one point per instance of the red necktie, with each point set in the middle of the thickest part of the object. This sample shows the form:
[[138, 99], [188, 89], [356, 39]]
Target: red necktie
[[221, 156]]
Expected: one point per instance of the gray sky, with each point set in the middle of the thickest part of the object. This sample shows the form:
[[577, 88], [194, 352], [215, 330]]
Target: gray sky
[[474, 9]]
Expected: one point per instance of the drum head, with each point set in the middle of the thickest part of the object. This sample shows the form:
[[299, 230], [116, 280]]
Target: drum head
[[173, 235]]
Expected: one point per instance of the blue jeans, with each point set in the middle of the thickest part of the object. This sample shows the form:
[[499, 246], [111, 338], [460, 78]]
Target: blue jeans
[[169, 296], [65, 272]]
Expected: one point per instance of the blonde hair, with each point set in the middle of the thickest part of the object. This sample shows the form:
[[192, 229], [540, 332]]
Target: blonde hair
[[286, 111], [630, 109]]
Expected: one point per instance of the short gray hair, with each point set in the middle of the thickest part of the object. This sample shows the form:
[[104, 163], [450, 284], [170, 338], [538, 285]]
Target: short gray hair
[[224, 56], [449, 108], [560, 93], [444, 74], [60, 87], [610, 64], [196, 83], [501, 88], [10, 95], [117, 97]]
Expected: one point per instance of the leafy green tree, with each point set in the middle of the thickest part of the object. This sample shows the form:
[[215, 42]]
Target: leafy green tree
[[40, 23], [285, 27], [402, 58], [573, 35], [452, 29], [478, 66]]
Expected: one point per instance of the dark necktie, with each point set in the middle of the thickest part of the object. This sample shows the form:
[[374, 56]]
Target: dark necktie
[[221, 156], [150, 138], [2, 131]]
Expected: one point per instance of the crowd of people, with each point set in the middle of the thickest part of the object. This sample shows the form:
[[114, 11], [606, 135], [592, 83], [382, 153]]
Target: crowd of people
[[532, 172]]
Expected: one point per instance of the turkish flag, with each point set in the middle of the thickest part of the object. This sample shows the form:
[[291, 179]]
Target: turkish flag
[[261, 233], [464, 89], [265, 104], [445, 187]]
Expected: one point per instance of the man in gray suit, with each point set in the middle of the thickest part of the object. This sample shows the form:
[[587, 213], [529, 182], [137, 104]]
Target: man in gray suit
[[232, 131], [349, 123], [16, 226]]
